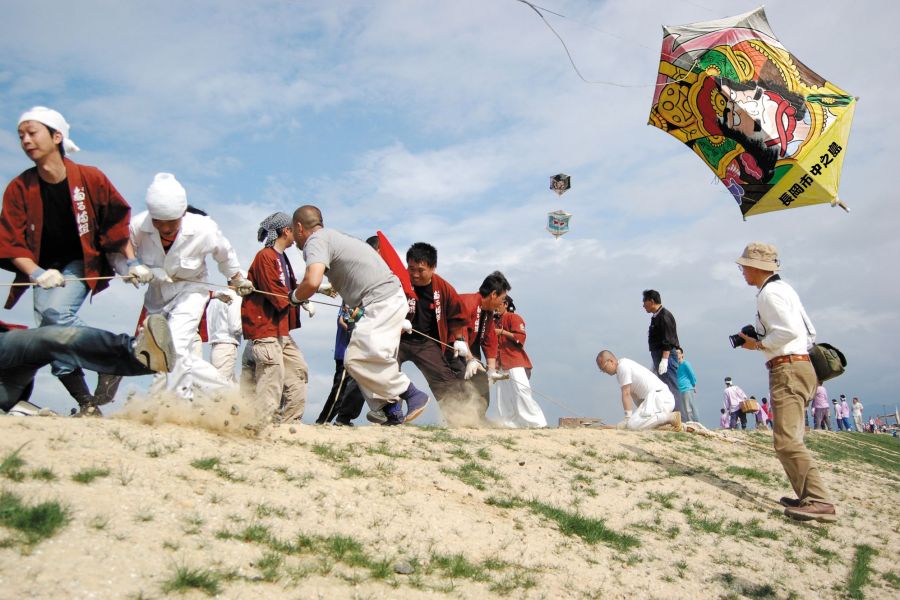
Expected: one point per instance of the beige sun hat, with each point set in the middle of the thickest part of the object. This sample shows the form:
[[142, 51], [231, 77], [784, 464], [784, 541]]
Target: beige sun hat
[[761, 256]]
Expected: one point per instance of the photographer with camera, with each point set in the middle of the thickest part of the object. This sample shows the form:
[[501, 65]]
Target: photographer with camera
[[785, 334]]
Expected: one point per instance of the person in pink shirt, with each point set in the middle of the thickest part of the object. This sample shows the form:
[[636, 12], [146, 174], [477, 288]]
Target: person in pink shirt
[[820, 407], [724, 420], [845, 413]]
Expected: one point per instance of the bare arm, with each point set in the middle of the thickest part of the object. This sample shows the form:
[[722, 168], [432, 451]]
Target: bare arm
[[26, 265], [312, 279], [627, 404]]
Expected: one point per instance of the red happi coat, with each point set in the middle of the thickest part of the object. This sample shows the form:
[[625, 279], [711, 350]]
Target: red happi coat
[[101, 215], [512, 351], [479, 332], [263, 315], [448, 310]]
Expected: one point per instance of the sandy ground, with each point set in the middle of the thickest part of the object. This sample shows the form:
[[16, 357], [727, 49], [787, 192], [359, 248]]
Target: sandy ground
[[274, 516]]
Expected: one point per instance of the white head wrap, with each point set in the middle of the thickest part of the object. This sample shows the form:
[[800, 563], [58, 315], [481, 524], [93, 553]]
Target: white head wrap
[[166, 198], [52, 119]]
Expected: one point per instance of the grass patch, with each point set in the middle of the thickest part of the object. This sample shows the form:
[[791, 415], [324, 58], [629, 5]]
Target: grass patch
[[33, 523], [384, 449], [187, 578], [749, 473], [592, 531], [264, 510], [90, 474], [664, 499], [330, 453], [205, 464], [474, 474], [43, 474], [215, 465], [351, 471], [882, 451], [458, 566], [11, 466], [861, 571], [269, 566], [892, 579], [699, 519]]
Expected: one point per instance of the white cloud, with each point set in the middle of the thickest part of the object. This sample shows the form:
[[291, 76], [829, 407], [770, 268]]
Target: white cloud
[[443, 122]]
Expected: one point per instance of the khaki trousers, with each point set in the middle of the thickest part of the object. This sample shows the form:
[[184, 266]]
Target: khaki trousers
[[791, 387], [281, 378], [223, 356]]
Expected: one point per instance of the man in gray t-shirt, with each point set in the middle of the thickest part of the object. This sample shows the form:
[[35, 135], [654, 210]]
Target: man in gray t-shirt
[[358, 274], [364, 281]]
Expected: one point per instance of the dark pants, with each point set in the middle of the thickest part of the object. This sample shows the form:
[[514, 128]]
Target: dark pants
[[24, 351], [345, 400], [670, 377], [738, 416], [428, 357]]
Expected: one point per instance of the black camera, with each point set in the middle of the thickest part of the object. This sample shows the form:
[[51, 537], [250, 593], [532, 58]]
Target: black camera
[[748, 330]]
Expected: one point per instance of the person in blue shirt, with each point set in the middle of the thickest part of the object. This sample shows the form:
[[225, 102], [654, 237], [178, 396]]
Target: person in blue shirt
[[687, 387]]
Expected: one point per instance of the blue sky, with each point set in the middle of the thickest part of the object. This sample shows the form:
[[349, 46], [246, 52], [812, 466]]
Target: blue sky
[[442, 122]]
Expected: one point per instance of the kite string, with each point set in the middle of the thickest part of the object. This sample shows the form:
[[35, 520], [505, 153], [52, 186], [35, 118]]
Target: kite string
[[225, 286], [538, 9]]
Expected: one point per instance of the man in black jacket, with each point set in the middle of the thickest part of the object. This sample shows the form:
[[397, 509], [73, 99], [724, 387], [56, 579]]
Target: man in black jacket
[[662, 338]]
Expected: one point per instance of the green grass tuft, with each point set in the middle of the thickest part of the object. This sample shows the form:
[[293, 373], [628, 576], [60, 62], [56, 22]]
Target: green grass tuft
[[90, 474], [205, 464], [592, 531], [43, 474], [34, 523], [474, 474], [11, 466], [861, 571], [186, 578], [749, 473]]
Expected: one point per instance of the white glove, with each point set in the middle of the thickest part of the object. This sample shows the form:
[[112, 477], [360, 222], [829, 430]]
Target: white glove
[[309, 308], [663, 366], [495, 375], [139, 274], [159, 274], [473, 367], [406, 326], [624, 423], [460, 348], [241, 286], [51, 278], [327, 290]]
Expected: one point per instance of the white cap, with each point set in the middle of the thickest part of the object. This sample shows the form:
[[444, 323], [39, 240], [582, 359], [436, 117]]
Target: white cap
[[166, 198], [52, 119]]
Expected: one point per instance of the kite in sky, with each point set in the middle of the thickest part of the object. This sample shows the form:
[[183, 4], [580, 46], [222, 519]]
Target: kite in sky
[[773, 131]]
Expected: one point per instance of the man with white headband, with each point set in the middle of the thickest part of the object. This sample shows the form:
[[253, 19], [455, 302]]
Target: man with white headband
[[59, 222], [174, 244]]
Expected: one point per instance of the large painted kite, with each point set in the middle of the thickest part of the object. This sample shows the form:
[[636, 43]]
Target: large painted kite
[[773, 131]]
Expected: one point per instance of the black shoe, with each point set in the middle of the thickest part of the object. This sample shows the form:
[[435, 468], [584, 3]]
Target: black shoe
[[394, 412], [340, 423]]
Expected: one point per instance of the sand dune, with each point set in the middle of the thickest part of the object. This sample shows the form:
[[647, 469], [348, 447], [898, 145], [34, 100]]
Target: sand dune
[[417, 512]]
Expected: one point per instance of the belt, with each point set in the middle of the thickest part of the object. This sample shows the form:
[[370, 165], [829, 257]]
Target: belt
[[778, 360]]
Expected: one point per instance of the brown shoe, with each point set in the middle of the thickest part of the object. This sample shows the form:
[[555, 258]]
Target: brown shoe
[[814, 511], [789, 502]]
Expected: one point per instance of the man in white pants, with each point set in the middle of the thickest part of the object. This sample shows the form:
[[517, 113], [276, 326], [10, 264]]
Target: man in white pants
[[640, 387], [174, 245], [373, 293], [223, 326]]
